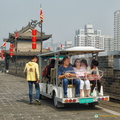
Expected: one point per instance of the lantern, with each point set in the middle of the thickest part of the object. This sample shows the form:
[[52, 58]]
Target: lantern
[[34, 32], [34, 39], [11, 50], [33, 45], [2, 54]]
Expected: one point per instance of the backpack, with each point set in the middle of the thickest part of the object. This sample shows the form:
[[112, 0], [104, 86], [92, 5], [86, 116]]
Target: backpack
[[44, 73]]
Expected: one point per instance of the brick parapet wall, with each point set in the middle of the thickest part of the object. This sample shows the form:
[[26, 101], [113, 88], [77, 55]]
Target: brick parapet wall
[[111, 79]]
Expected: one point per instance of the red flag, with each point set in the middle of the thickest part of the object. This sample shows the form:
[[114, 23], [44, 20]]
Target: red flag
[[60, 45], [48, 48], [16, 34], [4, 44], [41, 15]]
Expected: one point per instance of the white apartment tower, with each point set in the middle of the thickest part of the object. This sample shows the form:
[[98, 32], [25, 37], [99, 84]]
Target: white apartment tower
[[89, 37], [117, 30], [68, 44], [108, 43]]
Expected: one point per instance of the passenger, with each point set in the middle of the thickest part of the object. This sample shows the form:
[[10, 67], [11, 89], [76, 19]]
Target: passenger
[[95, 80], [80, 70], [44, 72], [59, 63], [51, 65], [83, 63], [63, 75]]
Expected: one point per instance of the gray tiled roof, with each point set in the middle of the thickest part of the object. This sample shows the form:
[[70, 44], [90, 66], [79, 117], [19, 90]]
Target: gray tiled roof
[[25, 33]]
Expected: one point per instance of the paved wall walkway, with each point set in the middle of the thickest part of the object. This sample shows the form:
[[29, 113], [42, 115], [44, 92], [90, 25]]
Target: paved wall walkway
[[14, 104]]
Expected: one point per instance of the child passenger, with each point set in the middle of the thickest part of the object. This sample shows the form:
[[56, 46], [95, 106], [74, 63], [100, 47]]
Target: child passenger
[[81, 75]]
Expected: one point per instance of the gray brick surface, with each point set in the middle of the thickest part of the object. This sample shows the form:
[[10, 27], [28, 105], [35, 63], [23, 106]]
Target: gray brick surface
[[14, 104]]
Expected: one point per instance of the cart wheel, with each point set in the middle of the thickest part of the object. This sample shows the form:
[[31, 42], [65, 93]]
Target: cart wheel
[[92, 105], [57, 104]]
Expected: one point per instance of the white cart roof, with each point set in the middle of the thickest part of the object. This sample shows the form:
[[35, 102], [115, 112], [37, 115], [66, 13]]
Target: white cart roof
[[74, 51]]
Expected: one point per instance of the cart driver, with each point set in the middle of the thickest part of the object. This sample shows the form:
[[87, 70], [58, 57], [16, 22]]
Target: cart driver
[[64, 75]]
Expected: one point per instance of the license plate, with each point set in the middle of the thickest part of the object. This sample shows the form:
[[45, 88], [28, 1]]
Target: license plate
[[86, 100]]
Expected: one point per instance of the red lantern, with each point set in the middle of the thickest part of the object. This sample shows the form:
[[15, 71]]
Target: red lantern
[[11, 50], [2, 54], [33, 45], [11, 54], [33, 38], [34, 32], [11, 46]]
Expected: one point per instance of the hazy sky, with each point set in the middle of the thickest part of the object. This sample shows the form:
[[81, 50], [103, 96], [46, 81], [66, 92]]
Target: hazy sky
[[61, 17]]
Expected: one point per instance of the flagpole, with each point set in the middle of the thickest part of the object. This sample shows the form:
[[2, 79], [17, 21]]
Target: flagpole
[[41, 39], [34, 23], [16, 35], [41, 21]]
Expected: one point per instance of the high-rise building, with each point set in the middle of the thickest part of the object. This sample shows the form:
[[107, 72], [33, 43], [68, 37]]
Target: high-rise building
[[68, 44], [117, 30], [89, 37], [109, 43]]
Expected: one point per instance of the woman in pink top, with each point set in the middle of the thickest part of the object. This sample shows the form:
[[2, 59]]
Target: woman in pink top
[[81, 74]]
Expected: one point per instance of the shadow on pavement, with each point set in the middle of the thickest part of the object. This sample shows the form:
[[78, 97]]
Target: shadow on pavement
[[68, 107], [23, 101], [46, 102]]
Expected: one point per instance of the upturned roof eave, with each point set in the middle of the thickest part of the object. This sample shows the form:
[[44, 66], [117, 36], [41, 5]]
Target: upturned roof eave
[[44, 37]]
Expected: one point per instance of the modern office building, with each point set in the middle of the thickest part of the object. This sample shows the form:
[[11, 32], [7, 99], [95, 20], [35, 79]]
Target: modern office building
[[117, 30], [89, 37]]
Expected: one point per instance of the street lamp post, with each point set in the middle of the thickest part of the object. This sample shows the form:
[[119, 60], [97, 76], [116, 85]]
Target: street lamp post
[[16, 36], [34, 23], [16, 55], [5, 59]]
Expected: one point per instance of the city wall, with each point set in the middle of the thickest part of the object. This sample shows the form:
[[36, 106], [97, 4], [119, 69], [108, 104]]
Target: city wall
[[111, 78]]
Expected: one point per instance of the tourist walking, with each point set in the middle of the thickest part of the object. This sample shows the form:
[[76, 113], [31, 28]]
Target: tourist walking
[[32, 76]]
